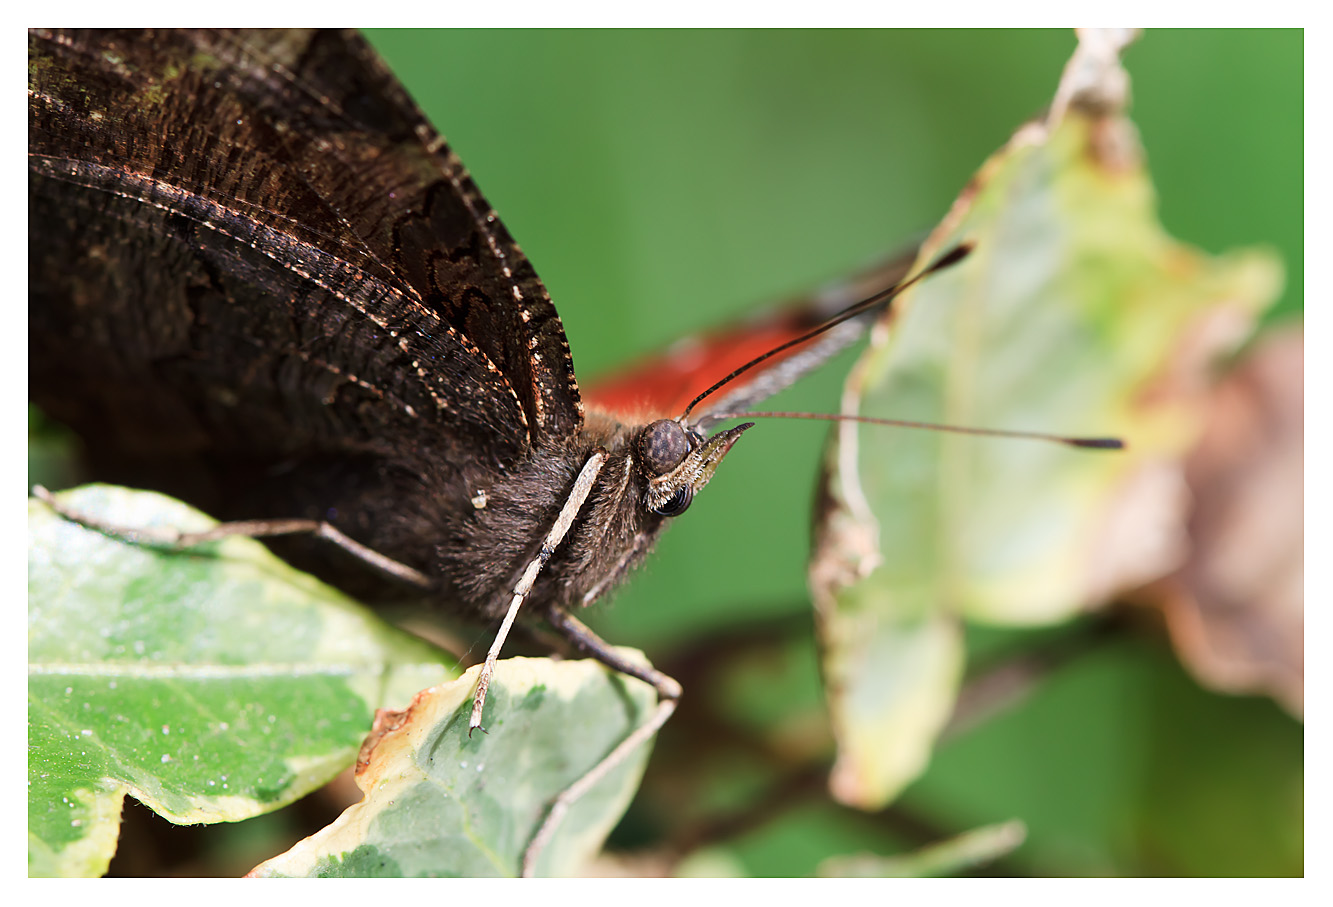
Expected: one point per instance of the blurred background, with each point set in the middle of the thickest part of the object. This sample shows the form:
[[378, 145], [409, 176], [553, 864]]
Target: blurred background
[[665, 181], [662, 182]]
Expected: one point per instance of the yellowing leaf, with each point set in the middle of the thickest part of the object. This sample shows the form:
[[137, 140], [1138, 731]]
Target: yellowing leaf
[[956, 855], [441, 803], [1075, 314]]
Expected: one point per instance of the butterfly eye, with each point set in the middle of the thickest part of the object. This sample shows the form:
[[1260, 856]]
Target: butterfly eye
[[663, 445], [678, 503]]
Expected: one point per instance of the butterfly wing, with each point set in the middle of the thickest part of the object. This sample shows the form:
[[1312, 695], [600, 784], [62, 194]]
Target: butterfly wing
[[253, 242], [661, 386]]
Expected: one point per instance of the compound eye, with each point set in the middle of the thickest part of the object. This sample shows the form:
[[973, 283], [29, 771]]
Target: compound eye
[[662, 446], [678, 503]]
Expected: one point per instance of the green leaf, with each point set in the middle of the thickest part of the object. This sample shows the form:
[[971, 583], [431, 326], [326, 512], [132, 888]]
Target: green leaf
[[441, 803], [1076, 313], [212, 685]]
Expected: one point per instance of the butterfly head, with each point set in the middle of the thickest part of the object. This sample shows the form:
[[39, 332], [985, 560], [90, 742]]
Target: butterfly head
[[679, 460]]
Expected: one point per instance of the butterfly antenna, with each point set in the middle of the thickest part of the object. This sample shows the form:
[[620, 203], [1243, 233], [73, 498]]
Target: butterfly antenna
[[948, 259], [1088, 443]]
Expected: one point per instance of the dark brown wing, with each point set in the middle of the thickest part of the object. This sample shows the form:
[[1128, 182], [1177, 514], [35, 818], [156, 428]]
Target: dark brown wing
[[253, 241]]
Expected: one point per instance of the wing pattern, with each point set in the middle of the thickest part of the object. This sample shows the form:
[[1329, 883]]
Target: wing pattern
[[309, 233]]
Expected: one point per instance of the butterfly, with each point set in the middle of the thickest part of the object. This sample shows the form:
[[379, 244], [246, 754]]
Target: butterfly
[[261, 281]]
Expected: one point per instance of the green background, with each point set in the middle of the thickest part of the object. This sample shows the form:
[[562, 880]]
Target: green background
[[664, 181]]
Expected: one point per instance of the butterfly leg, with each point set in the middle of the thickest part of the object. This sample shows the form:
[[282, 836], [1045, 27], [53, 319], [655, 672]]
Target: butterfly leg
[[585, 640], [554, 536], [165, 537], [668, 694]]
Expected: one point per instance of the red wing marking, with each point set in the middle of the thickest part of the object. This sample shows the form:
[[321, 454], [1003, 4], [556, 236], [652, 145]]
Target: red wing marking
[[663, 385]]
